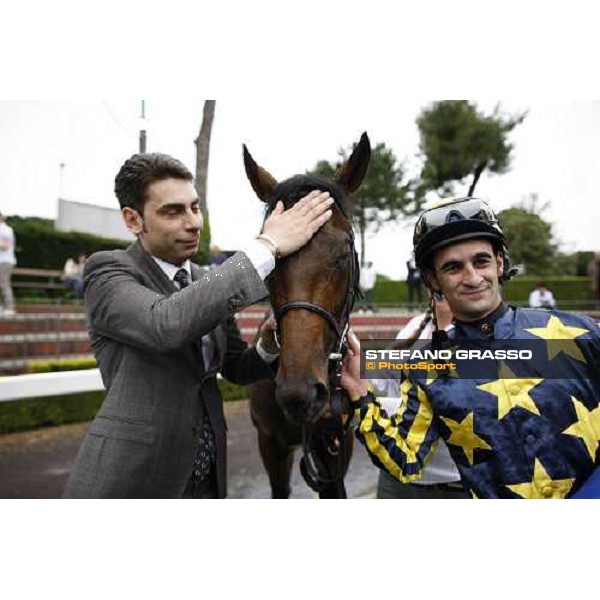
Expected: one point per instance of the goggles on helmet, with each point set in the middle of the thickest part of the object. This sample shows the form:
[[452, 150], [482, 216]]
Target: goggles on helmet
[[464, 219]]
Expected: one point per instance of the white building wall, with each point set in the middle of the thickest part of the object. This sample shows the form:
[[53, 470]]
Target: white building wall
[[89, 218]]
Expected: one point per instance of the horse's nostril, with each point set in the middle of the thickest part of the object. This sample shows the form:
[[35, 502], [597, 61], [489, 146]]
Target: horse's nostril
[[303, 402]]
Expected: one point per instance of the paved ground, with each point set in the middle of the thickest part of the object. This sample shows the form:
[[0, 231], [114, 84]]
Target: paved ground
[[36, 464]]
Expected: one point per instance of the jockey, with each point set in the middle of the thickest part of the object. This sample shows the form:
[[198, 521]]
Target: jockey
[[521, 433]]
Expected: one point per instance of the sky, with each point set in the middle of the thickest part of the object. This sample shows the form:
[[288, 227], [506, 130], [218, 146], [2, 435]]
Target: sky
[[555, 156]]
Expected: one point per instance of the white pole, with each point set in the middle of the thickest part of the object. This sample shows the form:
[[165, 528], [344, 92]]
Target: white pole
[[61, 182]]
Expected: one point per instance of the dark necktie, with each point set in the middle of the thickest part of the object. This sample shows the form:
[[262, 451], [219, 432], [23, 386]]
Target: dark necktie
[[206, 449], [182, 277]]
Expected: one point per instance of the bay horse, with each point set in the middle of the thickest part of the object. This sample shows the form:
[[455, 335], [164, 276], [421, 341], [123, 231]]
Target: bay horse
[[312, 293]]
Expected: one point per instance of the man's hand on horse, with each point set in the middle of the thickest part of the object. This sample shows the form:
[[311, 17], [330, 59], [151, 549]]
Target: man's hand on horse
[[351, 380], [293, 228], [267, 336]]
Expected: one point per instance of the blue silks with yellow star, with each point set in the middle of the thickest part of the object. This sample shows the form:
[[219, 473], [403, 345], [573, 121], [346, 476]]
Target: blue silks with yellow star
[[590, 489], [521, 434]]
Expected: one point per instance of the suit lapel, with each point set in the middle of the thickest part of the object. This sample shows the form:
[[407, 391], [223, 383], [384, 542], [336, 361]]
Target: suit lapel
[[148, 265], [163, 284]]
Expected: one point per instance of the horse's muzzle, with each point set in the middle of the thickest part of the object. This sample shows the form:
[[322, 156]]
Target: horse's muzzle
[[304, 401]]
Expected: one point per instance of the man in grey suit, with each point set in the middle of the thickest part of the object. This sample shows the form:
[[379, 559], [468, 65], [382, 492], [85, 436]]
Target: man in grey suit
[[161, 330]]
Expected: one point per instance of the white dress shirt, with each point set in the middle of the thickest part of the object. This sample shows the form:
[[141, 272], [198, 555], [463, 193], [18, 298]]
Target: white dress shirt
[[542, 299]]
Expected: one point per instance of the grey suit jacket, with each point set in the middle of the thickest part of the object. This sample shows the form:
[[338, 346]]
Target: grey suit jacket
[[146, 336]]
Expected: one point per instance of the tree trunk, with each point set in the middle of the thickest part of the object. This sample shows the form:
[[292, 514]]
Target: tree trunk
[[476, 175], [202, 152]]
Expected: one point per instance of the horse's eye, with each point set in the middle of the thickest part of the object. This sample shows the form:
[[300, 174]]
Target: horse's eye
[[341, 260]]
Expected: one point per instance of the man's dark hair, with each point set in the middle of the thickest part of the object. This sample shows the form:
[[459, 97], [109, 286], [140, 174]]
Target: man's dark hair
[[142, 170]]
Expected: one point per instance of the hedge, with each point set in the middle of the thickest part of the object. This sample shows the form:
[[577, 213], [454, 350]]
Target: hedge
[[570, 292], [63, 364], [31, 413], [40, 246]]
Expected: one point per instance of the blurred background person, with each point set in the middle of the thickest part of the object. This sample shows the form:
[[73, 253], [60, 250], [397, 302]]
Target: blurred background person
[[368, 276], [218, 257], [7, 263], [542, 297], [413, 283], [73, 274]]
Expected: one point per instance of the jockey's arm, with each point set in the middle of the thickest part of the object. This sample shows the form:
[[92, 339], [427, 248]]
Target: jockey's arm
[[399, 444]]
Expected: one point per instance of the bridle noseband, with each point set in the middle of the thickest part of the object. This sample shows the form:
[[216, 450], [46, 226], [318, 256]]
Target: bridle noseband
[[339, 325]]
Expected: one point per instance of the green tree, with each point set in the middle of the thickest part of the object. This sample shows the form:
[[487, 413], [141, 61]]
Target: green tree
[[582, 262], [530, 239], [459, 142], [574, 263], [384, 195]]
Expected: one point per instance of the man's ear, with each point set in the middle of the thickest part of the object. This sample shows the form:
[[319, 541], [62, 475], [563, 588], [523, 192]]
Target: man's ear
[[432, 282], [500, 263], [132, 220]]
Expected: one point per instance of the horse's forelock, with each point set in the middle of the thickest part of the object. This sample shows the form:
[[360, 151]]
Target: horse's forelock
[[294, 189]]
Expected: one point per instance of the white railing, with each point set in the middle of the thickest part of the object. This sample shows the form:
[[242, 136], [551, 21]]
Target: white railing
[[19, 387]]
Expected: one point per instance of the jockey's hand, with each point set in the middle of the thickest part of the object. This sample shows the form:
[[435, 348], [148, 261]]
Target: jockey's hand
[[351, 380], [267, 336], [294, 227]]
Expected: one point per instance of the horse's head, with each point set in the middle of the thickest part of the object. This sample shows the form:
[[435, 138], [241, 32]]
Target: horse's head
[[312, 290]]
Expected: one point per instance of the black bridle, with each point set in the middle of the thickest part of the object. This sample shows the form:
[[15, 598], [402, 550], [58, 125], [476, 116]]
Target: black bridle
[[332, 432], [339, 324]]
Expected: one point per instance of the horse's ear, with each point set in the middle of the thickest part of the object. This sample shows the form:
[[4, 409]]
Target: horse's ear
[[352, 172], [262, 181]]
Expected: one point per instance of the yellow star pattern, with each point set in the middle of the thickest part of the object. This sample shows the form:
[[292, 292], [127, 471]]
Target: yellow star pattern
[[542, 485], [560, 338], [464, 436], [511, 392], [587, 426]]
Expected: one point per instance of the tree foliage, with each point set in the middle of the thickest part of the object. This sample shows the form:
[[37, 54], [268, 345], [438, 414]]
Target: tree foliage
[[385, 194], [529, 240], [460, 142]]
